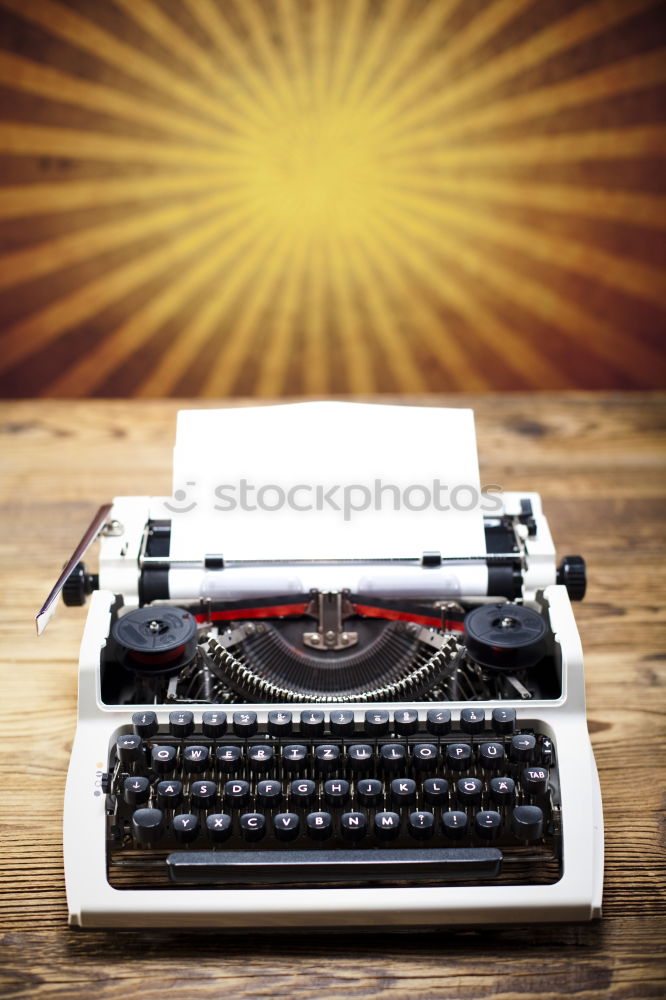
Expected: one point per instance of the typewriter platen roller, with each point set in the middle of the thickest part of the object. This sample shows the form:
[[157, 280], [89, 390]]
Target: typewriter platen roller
[[329, 742]]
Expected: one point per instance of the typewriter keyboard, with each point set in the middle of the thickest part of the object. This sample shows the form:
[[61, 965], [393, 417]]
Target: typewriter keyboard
[[324, 798]]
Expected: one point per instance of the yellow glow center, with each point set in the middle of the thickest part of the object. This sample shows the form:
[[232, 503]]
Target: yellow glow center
[[313, 173]]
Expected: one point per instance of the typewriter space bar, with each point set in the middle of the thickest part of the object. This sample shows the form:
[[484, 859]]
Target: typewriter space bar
[[380, 865]]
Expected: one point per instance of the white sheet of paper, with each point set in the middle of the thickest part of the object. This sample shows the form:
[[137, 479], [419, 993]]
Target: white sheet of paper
[[241, 474]]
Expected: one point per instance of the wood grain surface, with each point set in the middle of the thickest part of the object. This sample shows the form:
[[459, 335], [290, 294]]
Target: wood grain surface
[[598, 461]]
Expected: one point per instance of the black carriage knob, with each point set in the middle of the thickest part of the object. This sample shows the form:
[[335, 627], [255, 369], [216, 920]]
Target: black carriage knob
[[78, 585], [571, 572]]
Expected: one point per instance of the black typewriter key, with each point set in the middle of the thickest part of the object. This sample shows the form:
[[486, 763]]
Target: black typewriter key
[[147, 826], [280, 723], [312, 724], [360, 756], [342, 723], [237, 793], [527, 822], [392, 757], [403, 791], [163, 759], [491, 756], [472, 720], [438, 721], [269, 794], [136, 791], [336, 792], [260, 758], [436, 791], [387, 825], [458, 756], [406, 721], [181, 724], [421, 825], [546, 751], [469, 792], [129, 748], [218, 827], [185, 827], [252, 826], [145, 724], [353, 825], [424, 756], [319, 825], [169, 794], [454, 825], [286, 826], [369, 791], [522, 748], [303, 792], [228, 759], [295, 758], [502, 791], [535, 780], [203, 794], [376, 722], [488, 825], [245, 723], [214, 724], [195, 759], [504, 720], [327, 758]]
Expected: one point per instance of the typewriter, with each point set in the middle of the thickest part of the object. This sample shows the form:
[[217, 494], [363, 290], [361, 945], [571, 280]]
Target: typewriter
[[397, 739]]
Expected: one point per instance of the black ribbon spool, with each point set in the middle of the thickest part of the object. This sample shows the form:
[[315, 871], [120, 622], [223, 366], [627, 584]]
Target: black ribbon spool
[[505, 637], [156, 640]]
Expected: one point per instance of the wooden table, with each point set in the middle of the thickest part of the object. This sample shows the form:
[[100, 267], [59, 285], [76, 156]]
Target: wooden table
[[598, 462]]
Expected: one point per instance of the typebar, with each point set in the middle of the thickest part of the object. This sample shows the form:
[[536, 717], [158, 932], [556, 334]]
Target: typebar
[[334, 866]]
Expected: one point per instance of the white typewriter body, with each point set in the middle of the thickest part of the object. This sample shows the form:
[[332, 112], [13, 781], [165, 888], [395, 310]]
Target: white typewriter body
[[95, 899]]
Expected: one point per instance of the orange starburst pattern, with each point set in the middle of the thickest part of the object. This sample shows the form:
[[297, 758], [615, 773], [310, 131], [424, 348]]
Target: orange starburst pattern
[[312, 197]]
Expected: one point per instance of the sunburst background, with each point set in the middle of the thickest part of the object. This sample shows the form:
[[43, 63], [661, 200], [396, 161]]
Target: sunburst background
[[267, 197]]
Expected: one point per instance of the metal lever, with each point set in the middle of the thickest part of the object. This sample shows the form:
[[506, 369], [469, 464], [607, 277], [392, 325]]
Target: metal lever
[[331, 607], [43, 616]]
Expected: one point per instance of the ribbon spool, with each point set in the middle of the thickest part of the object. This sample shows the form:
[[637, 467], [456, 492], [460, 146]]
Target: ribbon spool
[[505, 637], [156, 640]]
